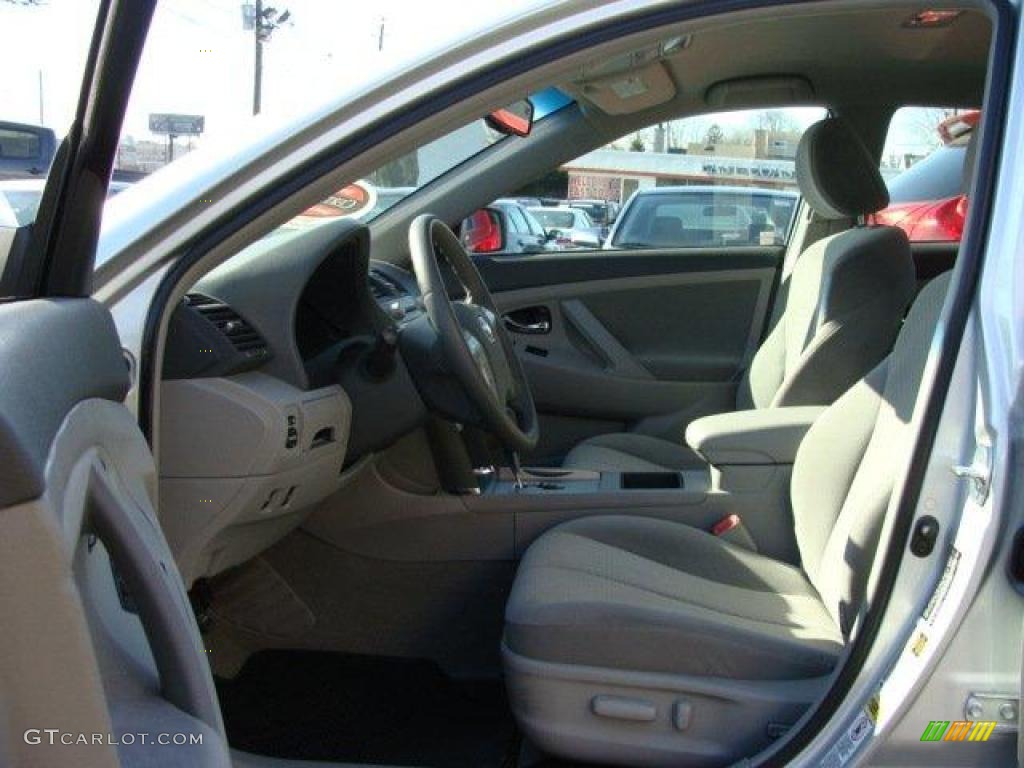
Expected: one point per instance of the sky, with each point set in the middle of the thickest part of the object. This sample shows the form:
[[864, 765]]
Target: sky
[[199, 59]]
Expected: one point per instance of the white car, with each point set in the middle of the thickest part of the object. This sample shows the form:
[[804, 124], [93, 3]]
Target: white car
[[346, 494]]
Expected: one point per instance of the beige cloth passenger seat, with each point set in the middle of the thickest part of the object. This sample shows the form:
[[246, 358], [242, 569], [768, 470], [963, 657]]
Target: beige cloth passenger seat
[[843, 305]]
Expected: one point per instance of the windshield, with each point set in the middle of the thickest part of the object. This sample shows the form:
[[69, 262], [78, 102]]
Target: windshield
[[211, 70], [708, 217], [554, 219], [598, 212], [394, 181]]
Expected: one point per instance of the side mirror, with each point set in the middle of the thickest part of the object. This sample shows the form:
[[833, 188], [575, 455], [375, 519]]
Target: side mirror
[[482, 232], [553, 234], [514, 120]]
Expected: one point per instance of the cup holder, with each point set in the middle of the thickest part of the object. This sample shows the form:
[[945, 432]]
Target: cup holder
[[649, 481]]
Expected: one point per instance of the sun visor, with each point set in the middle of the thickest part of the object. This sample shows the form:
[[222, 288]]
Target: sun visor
[[630, 91], [751, 92]]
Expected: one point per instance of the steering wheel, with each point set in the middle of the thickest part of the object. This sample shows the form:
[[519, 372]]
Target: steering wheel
[[473, 341]]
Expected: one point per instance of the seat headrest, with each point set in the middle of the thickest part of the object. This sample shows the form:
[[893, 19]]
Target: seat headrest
[[836, 173]]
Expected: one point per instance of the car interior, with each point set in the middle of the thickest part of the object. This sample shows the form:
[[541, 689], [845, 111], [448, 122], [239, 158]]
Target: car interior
[[601, 506]]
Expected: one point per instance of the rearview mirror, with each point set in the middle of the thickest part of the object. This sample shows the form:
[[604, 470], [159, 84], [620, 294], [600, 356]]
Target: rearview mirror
[[514, 120]]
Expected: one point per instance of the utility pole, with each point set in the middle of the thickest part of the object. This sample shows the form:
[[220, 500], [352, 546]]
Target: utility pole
[[380, 35], [257, 78], [262, 21], [41, 118]]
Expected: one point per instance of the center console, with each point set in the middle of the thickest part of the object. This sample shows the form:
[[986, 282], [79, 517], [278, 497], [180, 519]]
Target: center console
[[395, 501], [542, 480], [749, 457]]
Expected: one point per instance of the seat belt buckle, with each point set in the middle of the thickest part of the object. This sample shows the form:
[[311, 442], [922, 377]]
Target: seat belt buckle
[[732, 529], [726, 524]]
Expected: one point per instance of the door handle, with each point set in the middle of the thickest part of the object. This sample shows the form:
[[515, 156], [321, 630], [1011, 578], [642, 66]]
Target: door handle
[[531, 321], [539, 327]]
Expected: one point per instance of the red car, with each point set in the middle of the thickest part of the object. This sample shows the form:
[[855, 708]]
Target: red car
[[926, 201]]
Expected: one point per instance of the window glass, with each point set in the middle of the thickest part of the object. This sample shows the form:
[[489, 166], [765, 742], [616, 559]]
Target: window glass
[[20, 144], [718, 180], [532, 223], [212, 71], [699, 217], [555, 218], [518, 222], [923, 167], [43, 48]]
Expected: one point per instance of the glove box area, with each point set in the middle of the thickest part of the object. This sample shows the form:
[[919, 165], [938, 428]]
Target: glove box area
[[242, 459]]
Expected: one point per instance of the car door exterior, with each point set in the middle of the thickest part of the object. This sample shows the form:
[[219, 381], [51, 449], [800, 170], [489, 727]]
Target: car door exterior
[[522, 238], [102, 664]]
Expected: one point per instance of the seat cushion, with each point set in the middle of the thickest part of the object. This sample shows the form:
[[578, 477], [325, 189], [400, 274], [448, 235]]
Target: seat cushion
[[643, 594], [629, 452]]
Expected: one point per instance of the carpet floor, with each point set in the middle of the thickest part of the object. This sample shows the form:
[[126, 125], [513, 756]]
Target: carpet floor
[[366, 709]]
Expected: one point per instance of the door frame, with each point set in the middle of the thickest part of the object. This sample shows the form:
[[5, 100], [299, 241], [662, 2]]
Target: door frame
[[62, 248]]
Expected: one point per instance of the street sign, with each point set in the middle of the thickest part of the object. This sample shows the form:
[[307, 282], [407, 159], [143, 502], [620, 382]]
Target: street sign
[[177, 125]]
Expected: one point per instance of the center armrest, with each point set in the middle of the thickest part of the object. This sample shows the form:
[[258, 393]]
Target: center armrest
[[762, 436]]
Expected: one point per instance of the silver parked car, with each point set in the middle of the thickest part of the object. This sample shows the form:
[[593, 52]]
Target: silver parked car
[[704, 217], [570, 227]]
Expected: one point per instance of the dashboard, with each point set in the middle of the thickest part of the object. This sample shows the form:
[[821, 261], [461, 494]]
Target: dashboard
[[280, 370]]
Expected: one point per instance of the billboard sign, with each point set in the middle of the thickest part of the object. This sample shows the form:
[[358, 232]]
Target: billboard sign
[[177, 125], [594, 186]]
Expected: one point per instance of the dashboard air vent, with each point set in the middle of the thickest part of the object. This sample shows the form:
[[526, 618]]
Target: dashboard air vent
[[242, 336], [383, 287]]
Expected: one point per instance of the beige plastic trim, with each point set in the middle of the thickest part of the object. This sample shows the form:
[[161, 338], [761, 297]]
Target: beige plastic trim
[[233, 479], [375, 514], [630, 91], [696, 720]]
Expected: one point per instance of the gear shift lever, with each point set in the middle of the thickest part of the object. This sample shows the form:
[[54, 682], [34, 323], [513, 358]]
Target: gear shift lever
[[517, 470]]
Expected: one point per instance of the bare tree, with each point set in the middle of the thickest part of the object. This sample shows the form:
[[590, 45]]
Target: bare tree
[[775, 121], [714, 135], [684, 132], [739, 136], [923, 123]]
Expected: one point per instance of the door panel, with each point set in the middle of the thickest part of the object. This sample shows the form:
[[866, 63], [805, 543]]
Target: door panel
[[644, 340], [98, 634]]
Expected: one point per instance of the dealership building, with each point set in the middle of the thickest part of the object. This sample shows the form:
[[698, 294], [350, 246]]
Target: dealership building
[[610, 174]]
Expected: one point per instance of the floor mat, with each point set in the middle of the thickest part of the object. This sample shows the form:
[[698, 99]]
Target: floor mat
[[369, 709]]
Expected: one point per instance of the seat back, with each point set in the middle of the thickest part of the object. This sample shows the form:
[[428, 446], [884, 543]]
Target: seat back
[[666, 231], [846, 296], [847, 464]]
